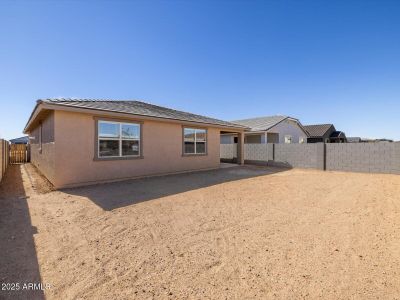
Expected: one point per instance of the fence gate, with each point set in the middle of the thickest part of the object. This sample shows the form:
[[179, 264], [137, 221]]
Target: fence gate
[[19, 153]]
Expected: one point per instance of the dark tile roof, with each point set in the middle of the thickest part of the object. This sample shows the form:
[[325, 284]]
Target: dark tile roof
[[138, 108], [261, 123], [337, 134], [317, 130]]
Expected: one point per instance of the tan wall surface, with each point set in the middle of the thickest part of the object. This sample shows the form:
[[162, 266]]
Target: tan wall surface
[[44, 160], [162, 152]]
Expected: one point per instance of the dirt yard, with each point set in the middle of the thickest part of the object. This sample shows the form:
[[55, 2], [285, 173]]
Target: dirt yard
[[235, 233]]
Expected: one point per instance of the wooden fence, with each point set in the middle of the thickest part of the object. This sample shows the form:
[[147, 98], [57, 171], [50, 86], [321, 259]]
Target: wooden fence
[[4, 145], [19, 153]]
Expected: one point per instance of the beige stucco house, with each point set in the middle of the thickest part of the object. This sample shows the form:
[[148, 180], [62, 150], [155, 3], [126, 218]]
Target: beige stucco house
[[79, 142]]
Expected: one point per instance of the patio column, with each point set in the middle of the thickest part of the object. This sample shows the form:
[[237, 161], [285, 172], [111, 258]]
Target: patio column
[[240, 148]]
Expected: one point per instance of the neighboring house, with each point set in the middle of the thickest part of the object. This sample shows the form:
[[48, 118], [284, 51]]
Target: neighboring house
[[77, 142], [274, 129], [324, 133], [354, 139], [21, 140]]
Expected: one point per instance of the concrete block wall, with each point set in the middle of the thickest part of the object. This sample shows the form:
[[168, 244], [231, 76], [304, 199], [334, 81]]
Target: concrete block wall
[[363, 157], [299, 155], [257, 152], [228, 151], [396, 158], [270, 152]]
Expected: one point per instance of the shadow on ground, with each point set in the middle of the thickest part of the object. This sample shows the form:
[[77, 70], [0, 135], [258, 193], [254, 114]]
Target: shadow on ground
[[119, 194], [18, 258]]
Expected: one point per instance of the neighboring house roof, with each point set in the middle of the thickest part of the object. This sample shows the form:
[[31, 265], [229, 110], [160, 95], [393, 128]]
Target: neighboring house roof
[[20, 140], [316, 131], [338, 134], [135, 108], [265, 123]]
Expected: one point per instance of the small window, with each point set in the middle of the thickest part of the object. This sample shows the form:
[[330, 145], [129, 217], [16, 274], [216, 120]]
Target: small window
[[118, 139], [288, 139], [302, 140], [194, 141]]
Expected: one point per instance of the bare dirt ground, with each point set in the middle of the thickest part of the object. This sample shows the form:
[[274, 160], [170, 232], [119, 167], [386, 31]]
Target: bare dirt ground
[[235, 233]]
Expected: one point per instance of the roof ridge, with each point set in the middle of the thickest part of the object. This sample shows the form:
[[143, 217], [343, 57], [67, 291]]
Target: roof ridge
[[319, 124], [122, 102], [85, 100], [263, 117]]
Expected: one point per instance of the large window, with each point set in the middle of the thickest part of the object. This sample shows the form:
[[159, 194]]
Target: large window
[[117, 139], [194, 141]]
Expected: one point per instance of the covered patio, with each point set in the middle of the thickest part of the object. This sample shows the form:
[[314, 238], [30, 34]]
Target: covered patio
[[232, 147]]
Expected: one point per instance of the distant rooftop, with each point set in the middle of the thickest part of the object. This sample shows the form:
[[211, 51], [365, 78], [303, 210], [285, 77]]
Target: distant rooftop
[[317, 130], [261, 123], [20, 140]]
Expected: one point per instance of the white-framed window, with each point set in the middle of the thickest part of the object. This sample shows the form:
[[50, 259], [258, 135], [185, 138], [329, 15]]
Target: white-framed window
[[302, 140], [118, 139], [288, 139], [194, 141]]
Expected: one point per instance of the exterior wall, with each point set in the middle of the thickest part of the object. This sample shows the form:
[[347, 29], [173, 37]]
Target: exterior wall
[[162, 152], [45, 158], [3, 157], [272, 138], [369, 158], [298, 155], [288, 127], [254, 138], [228, 151]]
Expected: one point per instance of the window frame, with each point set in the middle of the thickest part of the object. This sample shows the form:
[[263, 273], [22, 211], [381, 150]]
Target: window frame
[[120, 139], [195, 128], [288, 137]]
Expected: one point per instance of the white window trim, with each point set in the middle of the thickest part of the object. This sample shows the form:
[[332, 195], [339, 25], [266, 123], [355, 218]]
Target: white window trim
[[195, 141], [289, 137], [119, 139]]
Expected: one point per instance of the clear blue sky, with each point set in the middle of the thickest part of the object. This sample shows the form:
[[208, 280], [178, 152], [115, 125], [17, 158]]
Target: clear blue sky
[[320, 61]]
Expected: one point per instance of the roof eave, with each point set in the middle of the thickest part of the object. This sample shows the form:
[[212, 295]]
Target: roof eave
[[33, 116], [40, 105]]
